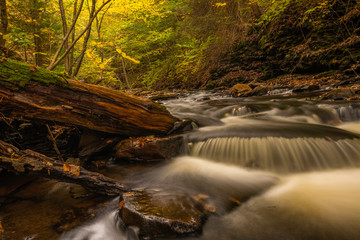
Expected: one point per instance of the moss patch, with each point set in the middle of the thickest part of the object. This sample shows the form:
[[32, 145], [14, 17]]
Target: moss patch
[[16, 75]]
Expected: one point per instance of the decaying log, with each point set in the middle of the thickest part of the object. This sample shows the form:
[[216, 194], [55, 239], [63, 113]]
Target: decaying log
[[36, 164], [31, 92]]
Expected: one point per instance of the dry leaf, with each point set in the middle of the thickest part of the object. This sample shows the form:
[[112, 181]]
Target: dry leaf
[[329, 138], [210, 208], [203, 196], [32, 68], [73, 169], [121, 204], [1, 228], [129, 194], [235, 201]]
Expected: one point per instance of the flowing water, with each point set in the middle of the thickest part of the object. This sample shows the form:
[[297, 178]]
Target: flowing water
[[294, 163]]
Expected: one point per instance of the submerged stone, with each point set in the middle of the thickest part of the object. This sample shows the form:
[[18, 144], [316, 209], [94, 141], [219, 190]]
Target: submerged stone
[[162, 214]]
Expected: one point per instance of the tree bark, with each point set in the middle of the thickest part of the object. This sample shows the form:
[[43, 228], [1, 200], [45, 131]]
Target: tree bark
[[3, 22], [34, 12], [35, 93], [36, 164]]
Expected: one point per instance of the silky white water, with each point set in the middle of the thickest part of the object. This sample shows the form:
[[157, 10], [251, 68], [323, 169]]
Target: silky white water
[[293, 164]]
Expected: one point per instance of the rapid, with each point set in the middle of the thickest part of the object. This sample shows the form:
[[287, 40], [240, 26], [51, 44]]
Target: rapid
[[293, 164]]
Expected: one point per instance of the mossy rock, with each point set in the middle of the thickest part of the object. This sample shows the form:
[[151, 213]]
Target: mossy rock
[[15, 75]]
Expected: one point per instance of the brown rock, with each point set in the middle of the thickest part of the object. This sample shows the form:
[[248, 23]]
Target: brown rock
[[149, 148], [240, 90], [260, 90], [338, 94], [162, 214]]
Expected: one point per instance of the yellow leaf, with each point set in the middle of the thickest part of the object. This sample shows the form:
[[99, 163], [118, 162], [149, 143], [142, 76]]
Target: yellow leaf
[[210, 208], [220, 4], [235, 201], [36, 35], [121, 204], [102, 66], [111, 44], [1, 228], [73, 169], [129, 194], [202, 196], [119, 50]]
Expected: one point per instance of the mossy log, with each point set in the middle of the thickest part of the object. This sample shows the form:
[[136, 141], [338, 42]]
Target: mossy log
[[32, 163], [31, 92]]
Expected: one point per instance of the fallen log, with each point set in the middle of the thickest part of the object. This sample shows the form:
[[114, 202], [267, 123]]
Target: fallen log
[[32, 163], [31, 92]]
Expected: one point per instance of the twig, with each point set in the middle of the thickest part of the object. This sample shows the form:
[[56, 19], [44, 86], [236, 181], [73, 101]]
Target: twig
[[54, 143]]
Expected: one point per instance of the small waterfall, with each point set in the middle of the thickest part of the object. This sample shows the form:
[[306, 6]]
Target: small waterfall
[[348, 113], [280, 154]]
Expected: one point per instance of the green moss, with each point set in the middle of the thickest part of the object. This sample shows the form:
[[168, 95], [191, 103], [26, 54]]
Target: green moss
[[16, 75]]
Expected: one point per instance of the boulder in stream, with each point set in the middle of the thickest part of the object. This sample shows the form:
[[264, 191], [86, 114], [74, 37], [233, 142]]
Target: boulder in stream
[[149, 148], [159, 213]]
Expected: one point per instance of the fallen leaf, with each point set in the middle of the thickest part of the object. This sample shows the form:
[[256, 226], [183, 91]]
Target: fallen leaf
[[210, 208], [1, 228], [329, 139], [121, 204], [203, 196], [235, 201], [129, 194], [32, 68], [73, 169]]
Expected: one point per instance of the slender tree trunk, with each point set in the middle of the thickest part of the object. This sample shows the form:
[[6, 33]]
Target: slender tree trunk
[[125, 74], [71, 57], [57, 59], [86, 39], [98, 29], [3, 22], [65, 30], [35, 15]]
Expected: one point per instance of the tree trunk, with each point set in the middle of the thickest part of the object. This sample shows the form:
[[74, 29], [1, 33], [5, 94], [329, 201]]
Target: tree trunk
[[3, 22], [56, 59], [65, 30], [85, 42], [27, 92], [36, 164], [34, 12]]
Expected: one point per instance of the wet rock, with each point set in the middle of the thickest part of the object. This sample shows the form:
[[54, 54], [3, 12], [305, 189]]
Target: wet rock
[[260, 90], [149, 148], [338, 94], [162, 214], [240, 90], [306, 88], [183, 126]]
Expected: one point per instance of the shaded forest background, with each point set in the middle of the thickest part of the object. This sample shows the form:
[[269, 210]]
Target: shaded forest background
[[161, 44]]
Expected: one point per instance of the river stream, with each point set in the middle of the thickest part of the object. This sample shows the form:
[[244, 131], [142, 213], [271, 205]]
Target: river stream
[[294, 162]]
